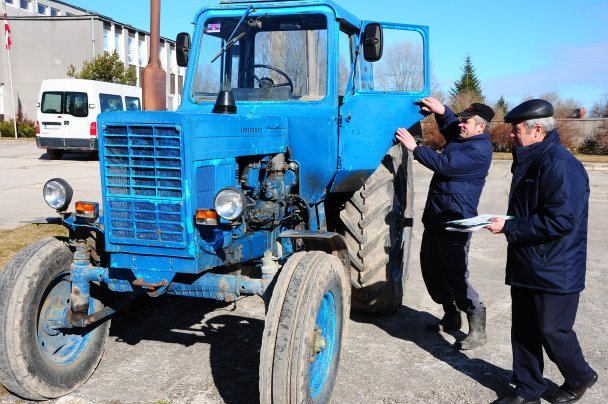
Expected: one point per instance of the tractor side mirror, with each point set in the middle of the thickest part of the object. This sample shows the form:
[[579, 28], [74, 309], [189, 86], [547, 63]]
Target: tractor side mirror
[[372, 42], [182, 48]]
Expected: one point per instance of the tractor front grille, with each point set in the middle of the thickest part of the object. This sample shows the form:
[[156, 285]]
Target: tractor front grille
[[143, 177]]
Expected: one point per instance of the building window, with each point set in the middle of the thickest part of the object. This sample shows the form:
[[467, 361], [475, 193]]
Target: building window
[[142, 52], [25, 4], [162, 55], [180, 84], [118, 40], [69, 15], [172, 84], [55, 12], [9, 1], [42, 9], [172, 60], [132, 47], [107, 34]]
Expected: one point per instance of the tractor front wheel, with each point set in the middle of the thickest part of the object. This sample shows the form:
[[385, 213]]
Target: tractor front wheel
[[303, 331], [38, 359]]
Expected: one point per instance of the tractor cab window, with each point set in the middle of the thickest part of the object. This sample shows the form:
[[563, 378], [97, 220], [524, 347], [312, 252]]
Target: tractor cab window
[[265, 58]]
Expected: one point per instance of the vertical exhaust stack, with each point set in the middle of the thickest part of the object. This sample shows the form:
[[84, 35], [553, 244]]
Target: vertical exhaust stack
[[154, 85]]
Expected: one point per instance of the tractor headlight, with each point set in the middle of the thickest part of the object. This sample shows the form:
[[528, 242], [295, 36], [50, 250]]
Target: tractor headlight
[[230, 203], [57, 194]]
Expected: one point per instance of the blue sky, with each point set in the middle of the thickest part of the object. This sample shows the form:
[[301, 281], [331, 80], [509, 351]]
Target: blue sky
[[519, 48]]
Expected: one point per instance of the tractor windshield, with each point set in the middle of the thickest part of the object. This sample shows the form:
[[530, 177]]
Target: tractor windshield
[[268, 58]]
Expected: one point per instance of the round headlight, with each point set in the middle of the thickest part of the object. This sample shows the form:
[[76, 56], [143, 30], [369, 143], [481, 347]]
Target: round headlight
[[57, 194], [230, 203]]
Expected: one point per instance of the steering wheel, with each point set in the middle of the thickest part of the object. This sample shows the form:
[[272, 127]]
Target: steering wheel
[[265, 82]]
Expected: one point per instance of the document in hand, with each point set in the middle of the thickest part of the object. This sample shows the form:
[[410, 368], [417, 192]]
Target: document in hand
[[473, 223]]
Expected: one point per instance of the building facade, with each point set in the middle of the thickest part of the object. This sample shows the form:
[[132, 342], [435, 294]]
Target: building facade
[[49, 35]]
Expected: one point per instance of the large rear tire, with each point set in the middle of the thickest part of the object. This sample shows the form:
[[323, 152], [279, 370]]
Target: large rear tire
[[303, 331], [37, 360], [377, 226]]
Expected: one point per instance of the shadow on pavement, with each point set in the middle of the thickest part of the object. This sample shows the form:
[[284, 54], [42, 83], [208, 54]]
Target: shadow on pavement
[[234, 341], [409, 324], [73, 156]]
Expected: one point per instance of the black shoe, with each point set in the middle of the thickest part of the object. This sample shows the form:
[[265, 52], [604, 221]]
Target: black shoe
[[565, 394], [515, 399], [450, 321]]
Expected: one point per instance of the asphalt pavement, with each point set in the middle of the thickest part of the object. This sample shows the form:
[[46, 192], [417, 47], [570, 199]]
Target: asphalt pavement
[[198, 351]]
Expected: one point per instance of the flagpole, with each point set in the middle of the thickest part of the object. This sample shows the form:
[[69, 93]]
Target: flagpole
[[10, 75]]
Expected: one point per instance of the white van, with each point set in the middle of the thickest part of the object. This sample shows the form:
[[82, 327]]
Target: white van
[[68, 108]]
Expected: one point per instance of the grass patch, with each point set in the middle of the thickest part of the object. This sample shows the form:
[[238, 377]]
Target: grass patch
[[15, 239]]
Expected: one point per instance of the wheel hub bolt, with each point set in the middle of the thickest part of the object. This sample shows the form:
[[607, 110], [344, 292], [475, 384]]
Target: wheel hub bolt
[[319, 343]]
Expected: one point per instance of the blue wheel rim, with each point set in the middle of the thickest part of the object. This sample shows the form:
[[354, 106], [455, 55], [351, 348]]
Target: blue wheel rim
[[59, 346], [325, 332]]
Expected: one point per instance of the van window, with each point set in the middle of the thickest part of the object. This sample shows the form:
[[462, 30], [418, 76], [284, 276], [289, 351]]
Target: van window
[[51, 102], [110, 102], [133, 103], [68, 102], [76, 104]]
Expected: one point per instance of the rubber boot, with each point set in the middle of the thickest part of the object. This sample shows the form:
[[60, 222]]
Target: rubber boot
[[477, 332], [451, 320]]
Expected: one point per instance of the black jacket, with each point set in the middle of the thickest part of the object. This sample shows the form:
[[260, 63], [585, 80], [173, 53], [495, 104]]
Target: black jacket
[[460, 173], [548, 237]]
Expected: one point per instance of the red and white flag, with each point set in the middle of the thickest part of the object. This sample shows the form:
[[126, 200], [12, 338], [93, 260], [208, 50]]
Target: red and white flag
[[7, 34]]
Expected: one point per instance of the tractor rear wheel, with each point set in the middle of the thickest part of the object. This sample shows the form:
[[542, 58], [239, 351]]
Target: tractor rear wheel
[[376, 224]]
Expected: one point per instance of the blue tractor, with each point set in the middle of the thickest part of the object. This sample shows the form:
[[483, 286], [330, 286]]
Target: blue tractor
[[278, 176]]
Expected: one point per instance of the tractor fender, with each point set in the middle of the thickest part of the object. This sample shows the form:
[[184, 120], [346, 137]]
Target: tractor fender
[[327, 241]]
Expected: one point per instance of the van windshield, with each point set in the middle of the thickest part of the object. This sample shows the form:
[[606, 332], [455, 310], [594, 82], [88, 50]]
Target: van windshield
[[65, 102]]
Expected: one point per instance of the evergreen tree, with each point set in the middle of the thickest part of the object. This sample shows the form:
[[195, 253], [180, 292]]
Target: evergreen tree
[[106, 67], [468, 82], [501, 105]]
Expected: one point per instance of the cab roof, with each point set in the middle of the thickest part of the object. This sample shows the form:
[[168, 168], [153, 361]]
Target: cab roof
[[339, 11]]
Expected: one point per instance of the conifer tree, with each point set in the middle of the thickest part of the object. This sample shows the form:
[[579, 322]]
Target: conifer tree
[[468, 82], [501, 105]]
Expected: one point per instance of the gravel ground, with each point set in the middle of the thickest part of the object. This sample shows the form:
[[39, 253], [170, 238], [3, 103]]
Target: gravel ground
[[197, 351]]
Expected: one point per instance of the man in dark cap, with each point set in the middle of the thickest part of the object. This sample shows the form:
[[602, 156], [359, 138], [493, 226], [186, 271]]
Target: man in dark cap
[[459, 176], [546, 256]]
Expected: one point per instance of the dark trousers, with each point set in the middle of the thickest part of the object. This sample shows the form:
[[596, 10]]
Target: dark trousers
[[543, 320], [444, 264]]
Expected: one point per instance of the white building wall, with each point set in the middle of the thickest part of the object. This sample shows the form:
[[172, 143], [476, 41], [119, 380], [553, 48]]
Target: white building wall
[[44, 47]]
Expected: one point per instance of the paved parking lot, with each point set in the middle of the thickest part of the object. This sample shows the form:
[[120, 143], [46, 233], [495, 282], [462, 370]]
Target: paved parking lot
[[183, 350]]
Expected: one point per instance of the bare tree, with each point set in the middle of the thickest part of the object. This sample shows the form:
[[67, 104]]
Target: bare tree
[[563, 108], [401, 68], [600, 108]]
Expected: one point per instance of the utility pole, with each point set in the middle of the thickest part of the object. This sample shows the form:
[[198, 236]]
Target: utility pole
[[154, 77]]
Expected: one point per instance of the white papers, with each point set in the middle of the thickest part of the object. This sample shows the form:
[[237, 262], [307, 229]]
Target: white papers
[[473, 223]]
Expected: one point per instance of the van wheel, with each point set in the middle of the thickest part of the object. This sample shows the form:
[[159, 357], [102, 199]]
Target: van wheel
[[54, 154], [376, 223]]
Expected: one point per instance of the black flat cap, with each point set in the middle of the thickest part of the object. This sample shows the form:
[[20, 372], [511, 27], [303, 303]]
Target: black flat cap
[[481, 110], [531, 109]]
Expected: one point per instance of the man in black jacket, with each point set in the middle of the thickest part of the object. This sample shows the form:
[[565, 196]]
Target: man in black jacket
[[459, 176], [546, 256]]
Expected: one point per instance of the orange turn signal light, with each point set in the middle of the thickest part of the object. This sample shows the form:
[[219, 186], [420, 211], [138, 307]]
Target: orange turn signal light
[[88, 211], [206, 217]]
